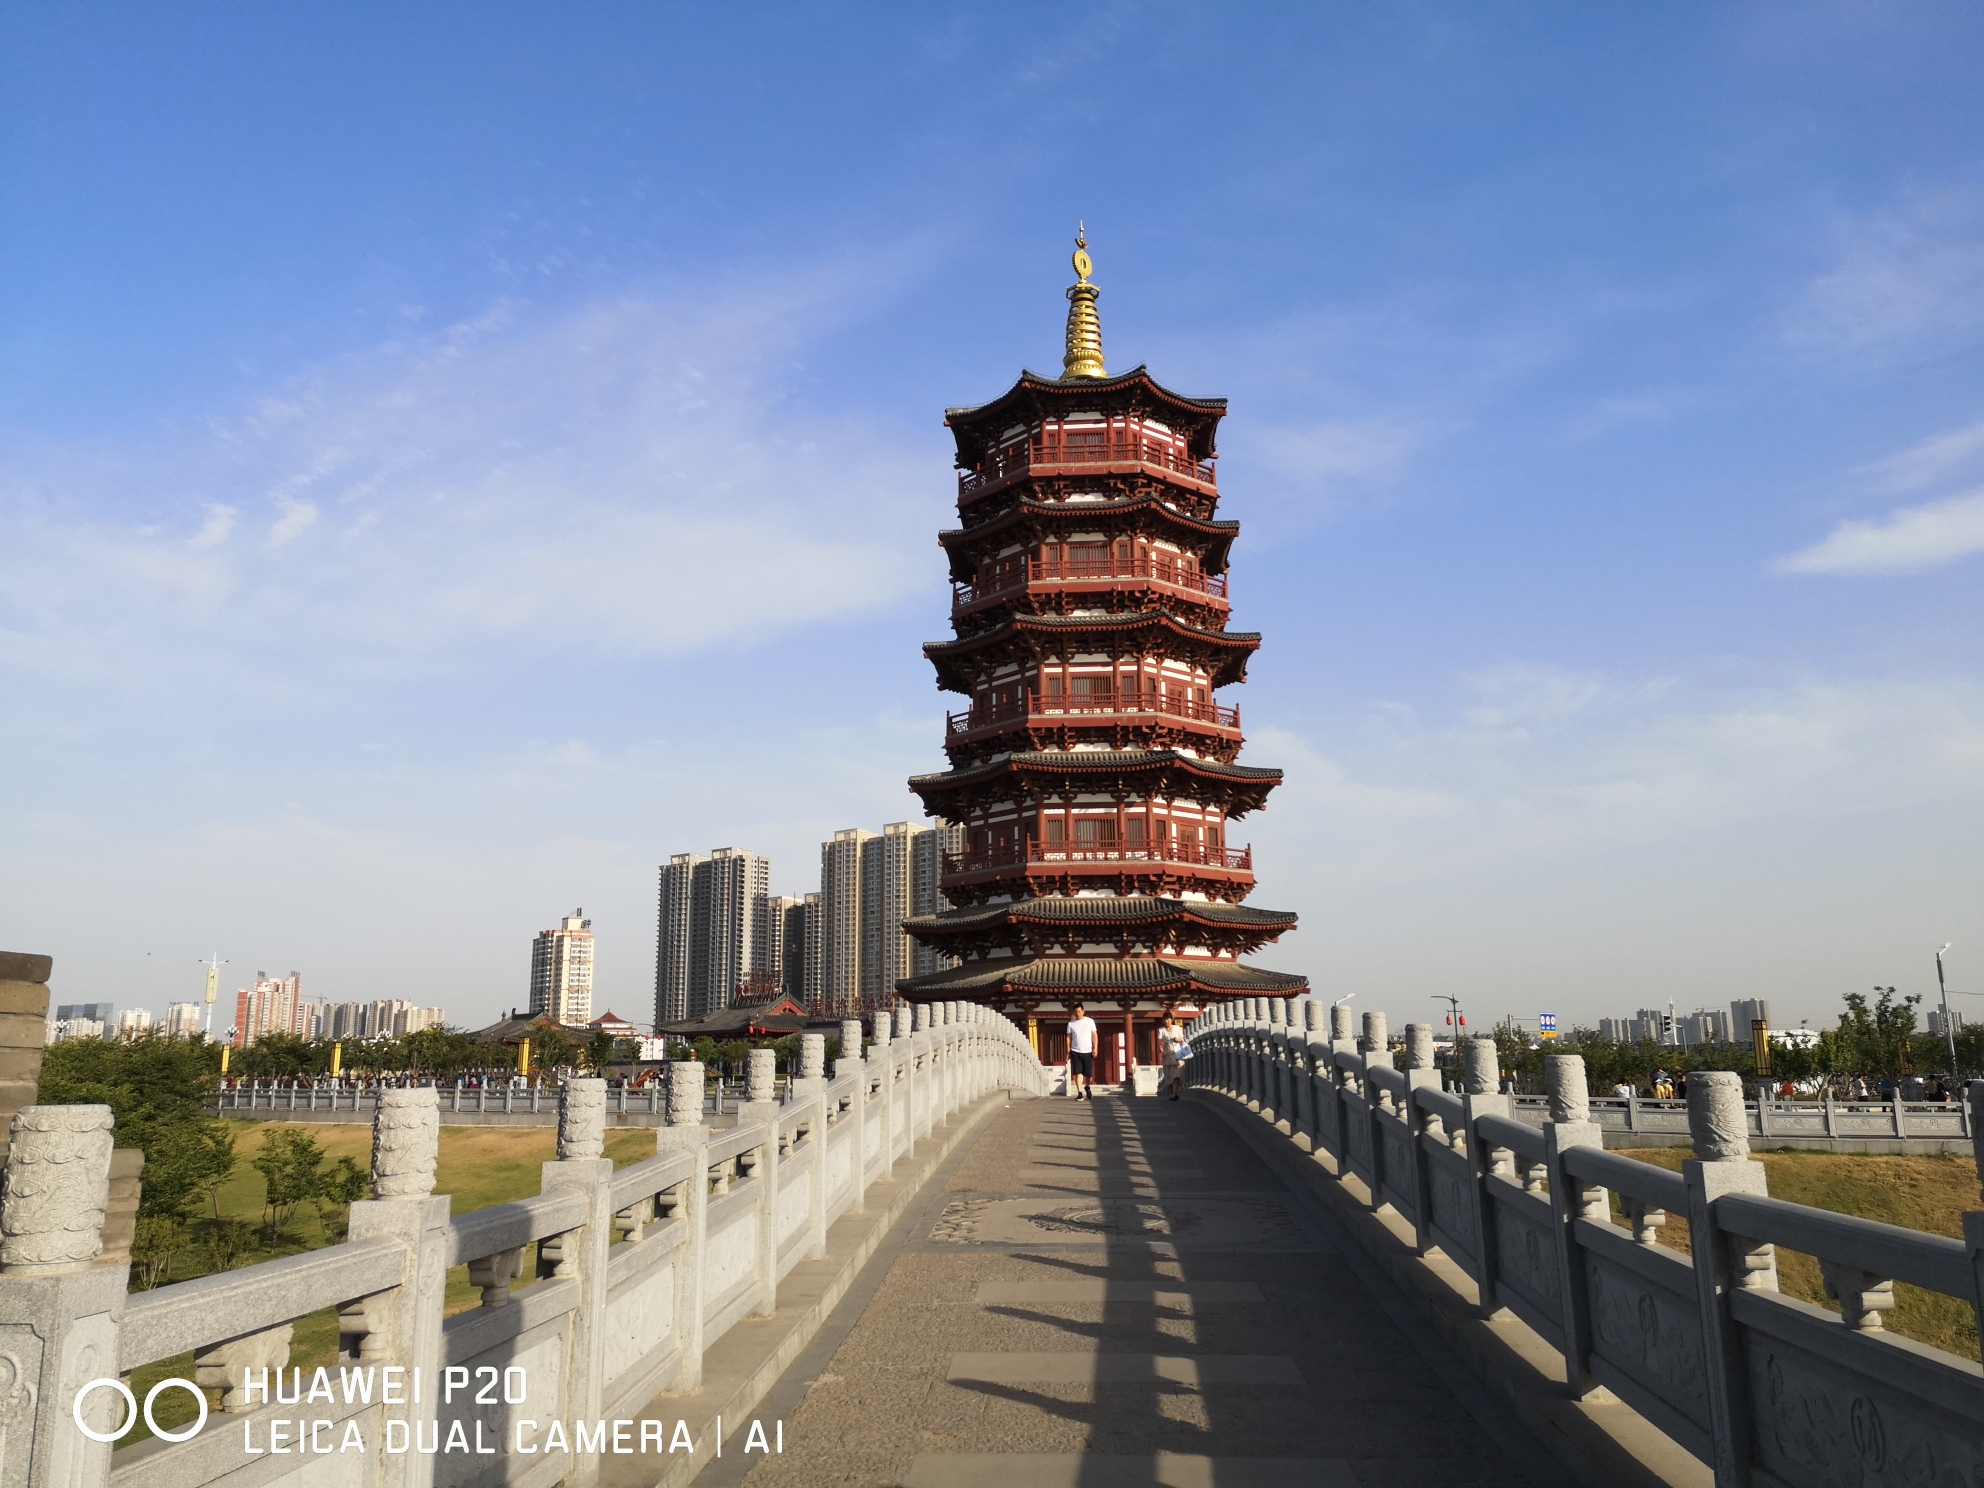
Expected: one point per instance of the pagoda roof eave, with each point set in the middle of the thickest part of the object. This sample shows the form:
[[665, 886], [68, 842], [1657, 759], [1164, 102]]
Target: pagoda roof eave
[[1096, 762], [1052, 975], [1235, 645], [1111, 911], [1199, 417]]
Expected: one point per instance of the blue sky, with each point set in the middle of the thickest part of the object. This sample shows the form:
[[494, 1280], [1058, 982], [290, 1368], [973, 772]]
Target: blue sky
[[453, 457]]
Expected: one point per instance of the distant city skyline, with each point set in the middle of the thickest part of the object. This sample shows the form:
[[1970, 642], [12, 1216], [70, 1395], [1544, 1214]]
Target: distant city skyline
[[430, 495]]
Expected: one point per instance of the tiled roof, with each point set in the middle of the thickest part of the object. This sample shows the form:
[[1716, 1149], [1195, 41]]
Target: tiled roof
[[1094, 761], [1105, 973], [1115, 909]]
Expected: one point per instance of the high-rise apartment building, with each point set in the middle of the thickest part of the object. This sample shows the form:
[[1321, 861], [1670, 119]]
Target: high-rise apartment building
[[1746, 1011], [785, 946], [182, 1020], [869, 884], [729, 936], [840, 914], [673, 938], [273, 1005], [561, 971], [813, 961], [133, 1023], [719, 933], [927, 869]]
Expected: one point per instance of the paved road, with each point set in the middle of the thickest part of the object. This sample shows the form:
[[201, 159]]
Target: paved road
[[1119, 1293]]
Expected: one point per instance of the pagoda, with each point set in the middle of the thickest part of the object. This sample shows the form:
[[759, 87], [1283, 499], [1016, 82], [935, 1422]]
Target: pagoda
[[1094, 773]]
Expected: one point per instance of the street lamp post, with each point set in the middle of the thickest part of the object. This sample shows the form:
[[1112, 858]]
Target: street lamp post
[[1949, 1028]]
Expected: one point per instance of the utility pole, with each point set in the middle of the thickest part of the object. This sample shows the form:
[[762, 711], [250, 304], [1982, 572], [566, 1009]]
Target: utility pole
[[1455, 1019]]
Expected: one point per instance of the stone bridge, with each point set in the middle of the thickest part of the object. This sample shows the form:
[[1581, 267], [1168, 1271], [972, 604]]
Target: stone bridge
[[918, 1269]]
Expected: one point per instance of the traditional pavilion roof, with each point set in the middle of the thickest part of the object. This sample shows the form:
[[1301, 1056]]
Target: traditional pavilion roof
[[1157, 772], [962, 542], [1229, 649], [1104, 911], [1114, 974], [1035, 396]]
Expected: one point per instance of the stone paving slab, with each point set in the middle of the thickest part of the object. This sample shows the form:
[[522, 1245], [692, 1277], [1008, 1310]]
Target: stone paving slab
[[990, 1269], [1066, 1367], [1163, 1469], [1122, 1293]]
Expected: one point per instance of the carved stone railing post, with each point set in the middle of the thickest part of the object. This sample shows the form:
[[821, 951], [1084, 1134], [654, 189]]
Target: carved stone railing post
[[881, 1061], [760, 1107], [581, 1254], [1376, 1045], [811, 1088], [403, 1326], [1420, 1074], [1724, 1263], [853, 1130], [59, 1308], [1482, 1078], [1571, 1126], [689, 1201]]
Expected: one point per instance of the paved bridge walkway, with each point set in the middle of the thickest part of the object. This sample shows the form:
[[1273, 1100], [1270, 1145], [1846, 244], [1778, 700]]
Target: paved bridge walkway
[[1120, 1292]]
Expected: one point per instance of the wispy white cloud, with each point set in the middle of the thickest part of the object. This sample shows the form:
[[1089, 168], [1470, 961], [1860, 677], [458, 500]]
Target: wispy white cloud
[[214, 531], [1911, 274], [1907, 540], [1925, 463], [1611, 414], [1550, 764], [627, 477], [1316, 454]]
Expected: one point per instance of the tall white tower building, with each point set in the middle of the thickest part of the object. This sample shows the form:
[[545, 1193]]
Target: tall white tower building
[[561, 971], [671, 961]]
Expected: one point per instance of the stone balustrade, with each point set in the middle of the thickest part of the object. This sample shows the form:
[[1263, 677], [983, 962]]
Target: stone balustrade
[[1764, 1389], [635, 1274]]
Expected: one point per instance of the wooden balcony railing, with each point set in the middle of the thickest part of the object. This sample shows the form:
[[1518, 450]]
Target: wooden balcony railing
[[1101, 854], [1002, 578], [1077, 453], [1092, 705]]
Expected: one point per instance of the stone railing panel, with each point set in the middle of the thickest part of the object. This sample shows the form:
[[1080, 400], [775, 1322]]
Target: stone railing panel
[[1764, 1389]]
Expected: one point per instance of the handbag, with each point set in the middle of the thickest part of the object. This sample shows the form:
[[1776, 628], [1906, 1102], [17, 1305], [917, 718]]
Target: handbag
[[1184, 1050]]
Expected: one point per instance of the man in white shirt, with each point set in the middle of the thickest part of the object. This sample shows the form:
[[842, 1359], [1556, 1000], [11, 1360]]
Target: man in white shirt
[[1081, 1052]]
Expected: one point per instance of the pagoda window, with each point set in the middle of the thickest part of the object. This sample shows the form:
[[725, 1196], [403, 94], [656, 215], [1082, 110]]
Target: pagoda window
[[1090, 686], [1094, 829], [1083, 441], [1188, 834], [1212, 837], [1133, 830], [1057, 827], [1054, 686]]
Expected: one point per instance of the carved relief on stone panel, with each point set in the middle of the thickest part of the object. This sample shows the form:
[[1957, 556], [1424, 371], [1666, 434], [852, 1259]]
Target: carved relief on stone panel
[[20, 1367], [1649, 1333], [1526, 1261], [1453, 1209], [1819, 1422]]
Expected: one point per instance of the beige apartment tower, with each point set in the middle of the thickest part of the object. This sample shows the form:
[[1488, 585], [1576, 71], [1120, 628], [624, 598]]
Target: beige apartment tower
[[561, 971]]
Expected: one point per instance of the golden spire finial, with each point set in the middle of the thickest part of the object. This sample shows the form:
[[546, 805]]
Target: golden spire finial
[[1084, 358]]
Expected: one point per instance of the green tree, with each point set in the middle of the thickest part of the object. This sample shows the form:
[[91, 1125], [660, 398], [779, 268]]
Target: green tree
[[292, 1164], [599, 1051], [338, 1188], [1879, 1038], [158, 1241], [157, 1089]]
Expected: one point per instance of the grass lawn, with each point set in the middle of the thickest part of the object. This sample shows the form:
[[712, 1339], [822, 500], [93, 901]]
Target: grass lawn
[[1920, 1193], [479, 1166]]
